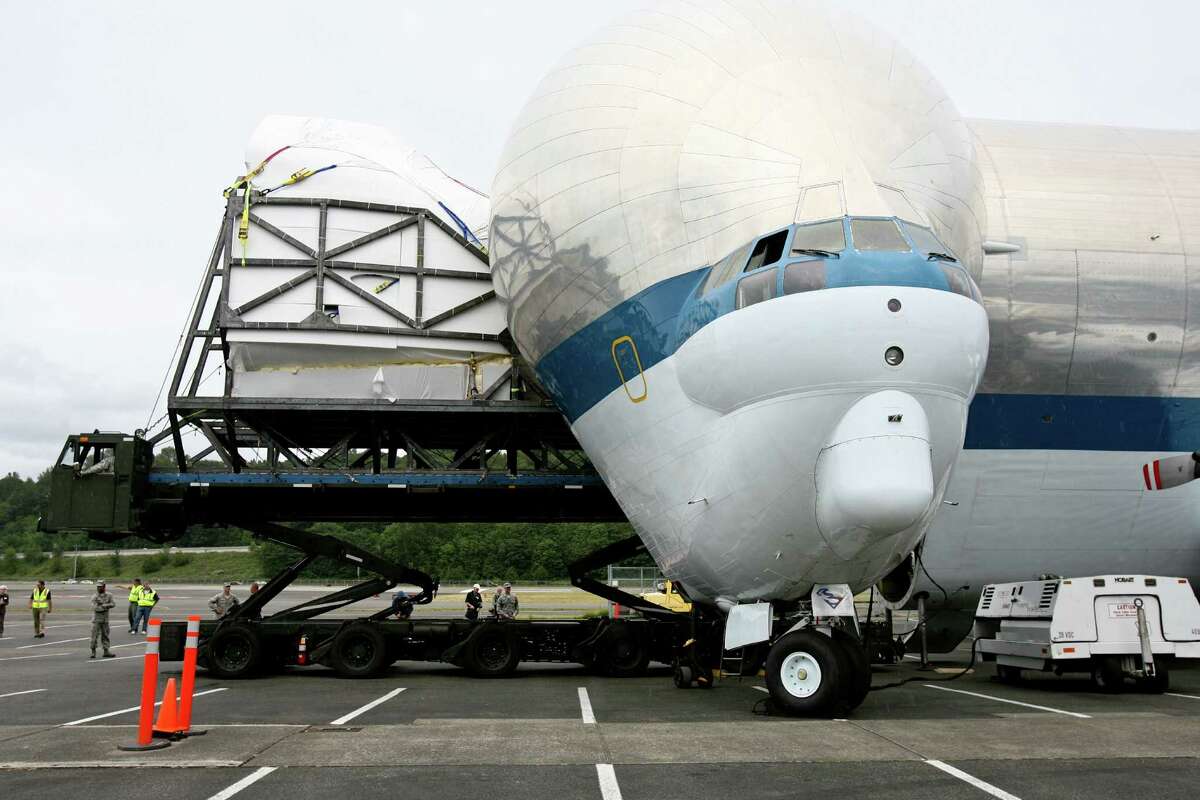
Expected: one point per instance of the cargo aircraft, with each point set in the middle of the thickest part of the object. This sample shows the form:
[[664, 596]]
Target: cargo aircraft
[[819, 332]]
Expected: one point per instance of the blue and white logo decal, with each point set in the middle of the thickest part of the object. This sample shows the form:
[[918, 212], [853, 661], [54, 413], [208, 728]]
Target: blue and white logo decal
[[832, 598]]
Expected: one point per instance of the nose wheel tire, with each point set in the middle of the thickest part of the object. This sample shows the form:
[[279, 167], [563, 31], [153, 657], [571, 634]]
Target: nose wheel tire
[[858, 667], [806, 671]]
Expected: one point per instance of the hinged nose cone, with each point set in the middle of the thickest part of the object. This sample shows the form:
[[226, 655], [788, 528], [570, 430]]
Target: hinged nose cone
[[875, 475]]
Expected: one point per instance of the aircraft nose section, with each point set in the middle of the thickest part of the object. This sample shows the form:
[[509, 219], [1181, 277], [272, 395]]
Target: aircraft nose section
[[874, 477]]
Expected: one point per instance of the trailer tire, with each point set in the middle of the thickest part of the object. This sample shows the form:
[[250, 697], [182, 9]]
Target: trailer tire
[[683, 676], [1161, 680], [1107, 676], [359, 651], [624, 652], [235, 651], [1008, 674], [804, 675], [494, 652], [857, 683]]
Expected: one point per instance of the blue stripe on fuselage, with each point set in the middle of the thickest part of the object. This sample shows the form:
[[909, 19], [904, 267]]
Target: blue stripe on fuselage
[[1079, 422], [580, 372]]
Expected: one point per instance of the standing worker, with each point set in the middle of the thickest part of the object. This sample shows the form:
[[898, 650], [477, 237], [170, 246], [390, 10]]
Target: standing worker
[[3, 608], [506, 604], [102, 603], [42, 604], [496, 600], [223, 603], [474, 603], [147, 600], [135, 594]]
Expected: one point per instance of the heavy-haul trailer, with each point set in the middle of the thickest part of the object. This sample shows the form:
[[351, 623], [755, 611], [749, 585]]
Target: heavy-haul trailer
[[104, 485], [359, 648]]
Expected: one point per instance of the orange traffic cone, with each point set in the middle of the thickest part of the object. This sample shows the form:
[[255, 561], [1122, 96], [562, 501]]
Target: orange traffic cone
[[167, 724]]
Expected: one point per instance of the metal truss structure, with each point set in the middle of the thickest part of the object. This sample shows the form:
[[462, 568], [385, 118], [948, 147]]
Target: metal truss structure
[[506, 435]]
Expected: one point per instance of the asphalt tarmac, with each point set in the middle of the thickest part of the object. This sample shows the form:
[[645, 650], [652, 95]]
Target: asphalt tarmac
[[556, 731]]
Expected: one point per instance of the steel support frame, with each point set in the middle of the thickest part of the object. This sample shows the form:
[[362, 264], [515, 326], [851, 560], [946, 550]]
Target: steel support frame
[[374, 436]]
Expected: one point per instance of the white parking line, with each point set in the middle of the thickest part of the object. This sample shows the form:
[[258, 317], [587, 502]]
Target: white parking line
[[971, 779], [761, 689], [585, 707], [39, 655], [1187, 696], [27, 691], [1011, 702], [132, 708], [343, 720], [52, 644], [114, 658], [609, 788], [253, 777]]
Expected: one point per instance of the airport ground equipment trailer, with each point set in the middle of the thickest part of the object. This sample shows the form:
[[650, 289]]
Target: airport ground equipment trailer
[[1115, 627], [104, 485]]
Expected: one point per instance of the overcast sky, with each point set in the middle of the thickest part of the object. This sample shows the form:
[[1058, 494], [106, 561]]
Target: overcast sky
[[122, 123]]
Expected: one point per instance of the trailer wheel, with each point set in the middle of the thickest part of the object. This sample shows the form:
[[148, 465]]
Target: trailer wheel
[[1161, 680], [858, 676], [359, 651], [1008, 674], [805, 674], [625, 653], [1107, 675], [494, 652], [683, 677], [235, 651]]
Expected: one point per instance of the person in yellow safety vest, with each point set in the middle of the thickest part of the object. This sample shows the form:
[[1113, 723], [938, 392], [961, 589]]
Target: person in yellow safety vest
[[147, 600], [42, 604], [135, 594]]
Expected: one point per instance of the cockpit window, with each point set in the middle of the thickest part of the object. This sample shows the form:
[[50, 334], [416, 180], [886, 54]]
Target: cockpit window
[[924, 239], [877, 235], [726, 268], [756, 288], [957, 280], [804, 276], [827, 236], [768, 250]]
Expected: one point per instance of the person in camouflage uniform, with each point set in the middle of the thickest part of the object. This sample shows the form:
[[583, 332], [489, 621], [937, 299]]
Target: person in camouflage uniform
[[506, 604], [221, 604], [102, 603]]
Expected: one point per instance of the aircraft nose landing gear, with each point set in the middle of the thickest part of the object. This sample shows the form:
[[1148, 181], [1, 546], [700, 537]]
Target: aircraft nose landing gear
[[811, 673]]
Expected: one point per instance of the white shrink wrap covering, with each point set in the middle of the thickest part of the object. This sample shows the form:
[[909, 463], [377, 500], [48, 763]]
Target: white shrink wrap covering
[[382, 302]]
